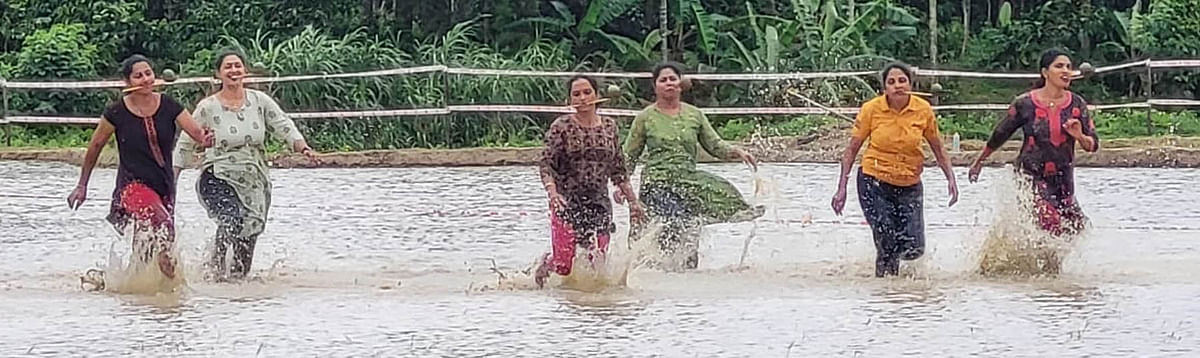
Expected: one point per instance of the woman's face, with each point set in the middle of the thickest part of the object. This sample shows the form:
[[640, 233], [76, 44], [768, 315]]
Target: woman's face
[[142, 76], [583, 93], [232, 70], [1058, 75], [896, 83], [666, 86]]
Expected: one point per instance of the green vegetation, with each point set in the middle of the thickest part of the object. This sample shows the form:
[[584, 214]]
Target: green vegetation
[[84, 40], [1120, 123]]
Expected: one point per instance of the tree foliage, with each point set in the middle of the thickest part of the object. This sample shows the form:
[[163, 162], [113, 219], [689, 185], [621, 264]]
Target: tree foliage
[[85, 39]]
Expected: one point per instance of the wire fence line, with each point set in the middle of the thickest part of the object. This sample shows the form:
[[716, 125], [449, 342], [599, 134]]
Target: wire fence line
[[1147, 64]]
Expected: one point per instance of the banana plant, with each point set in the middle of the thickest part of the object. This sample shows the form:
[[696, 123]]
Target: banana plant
[[821, 35], [771, 36], [590, 26], [1005, 17], [705, 26], [1125, 44]]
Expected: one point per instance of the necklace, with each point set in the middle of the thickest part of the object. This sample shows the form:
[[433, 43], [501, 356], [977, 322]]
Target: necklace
[[1052, 101], [135, 109], [232, 104]]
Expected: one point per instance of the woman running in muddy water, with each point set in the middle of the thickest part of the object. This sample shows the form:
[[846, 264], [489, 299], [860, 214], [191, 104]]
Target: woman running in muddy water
[[233, 185], [889, 178], [582, 155], [680, 197], [146, 124], [1053, 119]]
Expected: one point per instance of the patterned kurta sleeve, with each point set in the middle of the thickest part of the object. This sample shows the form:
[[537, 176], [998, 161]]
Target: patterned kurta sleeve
[[1005, 129], [548, 165], [277, 121], [1088, 123], [185, 151], [617, 171], [635, 142], [709, 139]]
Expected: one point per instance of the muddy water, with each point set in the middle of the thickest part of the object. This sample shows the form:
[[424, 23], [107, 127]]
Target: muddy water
[[399, 262]]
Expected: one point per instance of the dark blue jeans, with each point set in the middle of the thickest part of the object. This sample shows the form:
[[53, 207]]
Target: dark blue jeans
[[897, 221], [223, 204]]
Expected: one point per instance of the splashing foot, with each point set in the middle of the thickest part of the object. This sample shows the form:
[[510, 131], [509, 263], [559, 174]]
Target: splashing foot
[[166, 264]]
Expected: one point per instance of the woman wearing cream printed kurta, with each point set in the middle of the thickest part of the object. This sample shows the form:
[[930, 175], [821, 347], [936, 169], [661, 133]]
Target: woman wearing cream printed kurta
[[233, 185]]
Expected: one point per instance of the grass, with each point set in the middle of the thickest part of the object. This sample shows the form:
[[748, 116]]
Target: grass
[[1123, 123], [743, 128], [47, 136], [1120, 123]]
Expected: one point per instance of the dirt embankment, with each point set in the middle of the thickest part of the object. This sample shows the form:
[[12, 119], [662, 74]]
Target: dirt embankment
[[1170, 152]]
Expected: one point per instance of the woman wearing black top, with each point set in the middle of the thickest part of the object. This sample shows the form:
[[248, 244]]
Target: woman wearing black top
[[146, 125]]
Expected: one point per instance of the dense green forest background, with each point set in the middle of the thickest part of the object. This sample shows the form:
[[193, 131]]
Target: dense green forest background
[[84, 39]]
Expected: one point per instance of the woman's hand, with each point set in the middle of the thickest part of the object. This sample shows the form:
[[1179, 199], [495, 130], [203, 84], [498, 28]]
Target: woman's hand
[[953, 188], [747, 158], [1074, 127], [839, 200], [636, 212], [210, 137], [973, 174], [557, 202], [77, 197], [302, 147]]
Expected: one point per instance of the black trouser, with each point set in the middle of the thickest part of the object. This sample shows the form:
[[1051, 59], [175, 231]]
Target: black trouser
[[681, 226], [223, 204], [896, 217]]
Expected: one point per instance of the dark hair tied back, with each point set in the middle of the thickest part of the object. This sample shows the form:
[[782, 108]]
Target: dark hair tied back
[[221, 59], [226, 53], [590, 80], [127, 64], [678, 68], [1047, 59], [908, 72]]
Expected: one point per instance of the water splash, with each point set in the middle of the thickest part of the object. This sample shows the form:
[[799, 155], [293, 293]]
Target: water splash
[[126, 274], [590, 271], [1015, 244], [606, 272], [766, 196], [767, 142]]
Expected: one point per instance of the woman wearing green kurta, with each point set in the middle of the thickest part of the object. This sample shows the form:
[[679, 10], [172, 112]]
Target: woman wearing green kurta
[[233, 185], [679, 196]]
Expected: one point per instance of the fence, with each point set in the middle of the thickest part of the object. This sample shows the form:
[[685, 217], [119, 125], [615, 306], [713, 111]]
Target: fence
[[1149, 65]]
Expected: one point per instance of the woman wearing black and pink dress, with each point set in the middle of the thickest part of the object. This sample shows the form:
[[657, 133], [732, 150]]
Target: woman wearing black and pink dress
[[146, 125], [1053, 120]]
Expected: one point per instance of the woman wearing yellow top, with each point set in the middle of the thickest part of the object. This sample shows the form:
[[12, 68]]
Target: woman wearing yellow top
[[889, 178]]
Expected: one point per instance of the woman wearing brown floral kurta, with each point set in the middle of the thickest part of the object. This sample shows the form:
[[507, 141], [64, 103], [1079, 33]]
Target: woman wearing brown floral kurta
[[583, 153]]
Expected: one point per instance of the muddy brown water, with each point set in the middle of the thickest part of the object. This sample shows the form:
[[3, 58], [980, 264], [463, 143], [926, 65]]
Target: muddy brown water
[[398, 262]]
